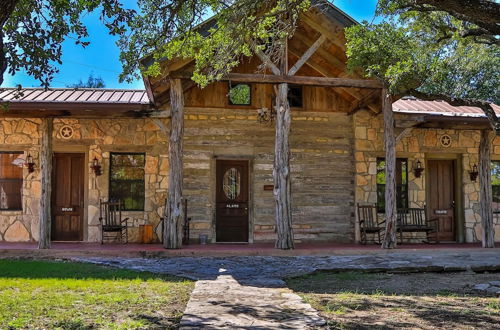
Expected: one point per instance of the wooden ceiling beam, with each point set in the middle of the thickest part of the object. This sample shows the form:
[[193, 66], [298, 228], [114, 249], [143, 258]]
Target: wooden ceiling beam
[[297, 80], [267, 62], [324, 27]]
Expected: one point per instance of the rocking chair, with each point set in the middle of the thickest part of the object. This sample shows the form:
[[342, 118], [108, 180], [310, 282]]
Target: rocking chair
[[112, 224], [369, 223]]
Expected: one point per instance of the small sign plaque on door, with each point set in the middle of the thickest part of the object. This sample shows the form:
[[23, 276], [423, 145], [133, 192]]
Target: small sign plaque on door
[[441, 212], [67, 209]]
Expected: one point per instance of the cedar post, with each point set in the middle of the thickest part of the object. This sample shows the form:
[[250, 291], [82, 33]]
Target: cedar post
[[174, 213], [390, 239], [281, 171], [46, 183], [485, 193]]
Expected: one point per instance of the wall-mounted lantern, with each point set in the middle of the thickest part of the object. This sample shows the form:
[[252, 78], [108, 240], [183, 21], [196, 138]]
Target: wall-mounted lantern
[[30, 163], [418, 169], [96, 167], [473, 173]]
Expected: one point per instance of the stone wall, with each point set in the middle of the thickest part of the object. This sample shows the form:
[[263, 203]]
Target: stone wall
[[321, 164], [96, 138], [420, 144]]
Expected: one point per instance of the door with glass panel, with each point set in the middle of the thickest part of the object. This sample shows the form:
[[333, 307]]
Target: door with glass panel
[[232, 201]]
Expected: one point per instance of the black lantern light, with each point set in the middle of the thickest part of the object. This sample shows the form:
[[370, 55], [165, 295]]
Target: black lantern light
[[473, 173], [418, 169], [30, 163], [96, 167]]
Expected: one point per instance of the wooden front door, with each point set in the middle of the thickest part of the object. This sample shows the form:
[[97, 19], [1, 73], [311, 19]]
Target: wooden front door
[[442, 197], [232, 201], [68, 196]]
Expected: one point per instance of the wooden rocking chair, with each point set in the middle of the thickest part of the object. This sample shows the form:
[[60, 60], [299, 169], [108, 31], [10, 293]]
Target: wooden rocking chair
[[368, 223], [112, 224]]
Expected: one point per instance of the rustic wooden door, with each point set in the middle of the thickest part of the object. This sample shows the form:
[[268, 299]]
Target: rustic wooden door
[[68, 196], [442, 197], [232, 201]]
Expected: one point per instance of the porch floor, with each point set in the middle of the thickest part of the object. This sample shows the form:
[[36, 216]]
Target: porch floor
[[69, 249]]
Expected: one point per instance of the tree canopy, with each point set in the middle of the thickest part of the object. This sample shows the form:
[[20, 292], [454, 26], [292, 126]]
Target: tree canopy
[[180, 29], [32, 32], [428, 52]]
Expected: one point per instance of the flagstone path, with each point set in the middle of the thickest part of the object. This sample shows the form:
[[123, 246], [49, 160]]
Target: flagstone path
[[249, 292]]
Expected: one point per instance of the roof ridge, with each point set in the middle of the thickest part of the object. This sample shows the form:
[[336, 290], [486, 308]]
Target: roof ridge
[[72, 88]]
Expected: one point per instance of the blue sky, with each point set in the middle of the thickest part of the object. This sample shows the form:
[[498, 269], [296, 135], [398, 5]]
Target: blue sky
[[101, 57]]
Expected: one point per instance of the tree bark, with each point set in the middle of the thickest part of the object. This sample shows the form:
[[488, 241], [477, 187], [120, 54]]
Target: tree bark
[[46, 178], [485, 193], [174, 213], [390, 239], [8, 7], [281, 171]]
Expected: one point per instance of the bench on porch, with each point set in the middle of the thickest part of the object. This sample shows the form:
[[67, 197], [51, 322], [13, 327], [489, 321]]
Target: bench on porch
[[185, 226], [414, 220]]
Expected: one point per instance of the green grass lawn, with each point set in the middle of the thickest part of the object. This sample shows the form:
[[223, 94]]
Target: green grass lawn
[[400, 301], [64, 295]]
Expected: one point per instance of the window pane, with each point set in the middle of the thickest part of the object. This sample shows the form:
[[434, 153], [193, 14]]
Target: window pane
[[295, 96], [401, 183], [495, 182], [127, 180], [11, 166], [11, 181], [240, 94]]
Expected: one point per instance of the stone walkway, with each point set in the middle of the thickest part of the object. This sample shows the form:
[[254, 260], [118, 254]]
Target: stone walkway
[[249, 292]]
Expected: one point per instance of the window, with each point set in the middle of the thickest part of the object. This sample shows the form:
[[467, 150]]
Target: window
[[495, 185], [126, 180], [240, 94], [295, 96], [11, 180], [401, 183]]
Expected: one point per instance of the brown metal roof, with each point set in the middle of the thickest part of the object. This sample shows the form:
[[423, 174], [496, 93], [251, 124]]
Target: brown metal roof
[[72, 95], [441, 108]]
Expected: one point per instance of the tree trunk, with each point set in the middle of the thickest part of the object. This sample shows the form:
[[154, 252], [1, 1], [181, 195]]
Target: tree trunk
[[174, 213], [390, 239], [46, 176], [281, 171], [485, 193]]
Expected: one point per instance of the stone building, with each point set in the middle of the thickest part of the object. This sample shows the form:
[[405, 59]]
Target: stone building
[[336, 145]]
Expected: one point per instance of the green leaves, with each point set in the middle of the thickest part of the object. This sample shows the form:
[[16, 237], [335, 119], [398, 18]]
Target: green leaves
[[236, 30], [425, 51]]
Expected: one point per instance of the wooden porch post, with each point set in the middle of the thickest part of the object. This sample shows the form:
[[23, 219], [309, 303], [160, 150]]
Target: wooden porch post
[[46, 178], [390, 239], [485, 193], [281, 171], [174, 213]]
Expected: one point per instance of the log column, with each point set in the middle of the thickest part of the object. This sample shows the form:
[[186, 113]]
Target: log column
[[390, 239], [485, 193], [174, 213], [281, 171], [46, 183]]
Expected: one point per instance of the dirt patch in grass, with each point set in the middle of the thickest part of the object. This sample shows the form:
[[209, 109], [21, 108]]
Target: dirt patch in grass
[[64, 295], [416, 300]]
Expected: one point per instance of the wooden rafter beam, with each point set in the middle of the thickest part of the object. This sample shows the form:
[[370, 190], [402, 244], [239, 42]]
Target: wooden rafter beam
[[267, 62], [303, 59], [297, 80]]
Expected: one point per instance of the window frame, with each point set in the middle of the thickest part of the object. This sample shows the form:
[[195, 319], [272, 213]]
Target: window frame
[[110, 179], [228, 98], [14, 180], [398, 186]]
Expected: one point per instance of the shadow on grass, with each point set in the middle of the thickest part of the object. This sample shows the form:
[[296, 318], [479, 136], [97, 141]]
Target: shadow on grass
[[30, 269], [388, 301]]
